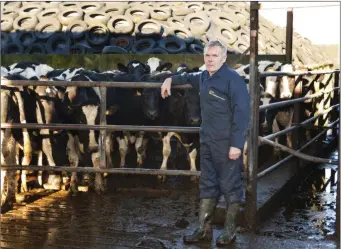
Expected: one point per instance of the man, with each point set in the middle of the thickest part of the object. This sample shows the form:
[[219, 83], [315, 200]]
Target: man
[[224, 103]]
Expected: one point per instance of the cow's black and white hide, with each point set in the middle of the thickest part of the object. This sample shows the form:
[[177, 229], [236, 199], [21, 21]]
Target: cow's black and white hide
[[128, 111], [10, 139], [23, 98], [182, 108], [278, 89], [83, 104]]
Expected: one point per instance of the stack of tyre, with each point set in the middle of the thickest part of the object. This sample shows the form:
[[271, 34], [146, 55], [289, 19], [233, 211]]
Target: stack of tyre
[[133, 27]]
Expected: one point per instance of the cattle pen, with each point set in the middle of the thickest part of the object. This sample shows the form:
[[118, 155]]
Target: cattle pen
[[324, 119]]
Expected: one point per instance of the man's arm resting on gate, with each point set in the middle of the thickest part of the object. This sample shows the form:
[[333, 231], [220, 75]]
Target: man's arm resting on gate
[[186, 78]]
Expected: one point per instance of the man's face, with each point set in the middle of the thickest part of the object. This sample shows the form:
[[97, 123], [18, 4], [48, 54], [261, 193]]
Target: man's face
[[214, 59]]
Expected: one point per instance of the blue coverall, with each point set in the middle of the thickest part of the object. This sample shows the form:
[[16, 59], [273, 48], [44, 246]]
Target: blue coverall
[[224, 103]]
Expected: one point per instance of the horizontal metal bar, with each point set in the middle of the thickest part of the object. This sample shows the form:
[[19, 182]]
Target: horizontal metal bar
[[285, 131], [133, 171], [276, 165], [293, 101], [267, 74], [102, 127], [89, 84], [298, 154]]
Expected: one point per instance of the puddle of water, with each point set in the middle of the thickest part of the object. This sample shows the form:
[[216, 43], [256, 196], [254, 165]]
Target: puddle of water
[[311, 211]]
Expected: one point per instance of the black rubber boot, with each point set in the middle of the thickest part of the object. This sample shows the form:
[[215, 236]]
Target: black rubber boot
[[229, 233], [204, 231]]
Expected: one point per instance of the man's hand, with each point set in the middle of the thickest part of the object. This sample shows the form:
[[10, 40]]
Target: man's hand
[[234, 153], [166, 88]]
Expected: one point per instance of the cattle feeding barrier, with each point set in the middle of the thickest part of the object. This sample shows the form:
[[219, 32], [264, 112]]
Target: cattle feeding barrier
[[104, 127]]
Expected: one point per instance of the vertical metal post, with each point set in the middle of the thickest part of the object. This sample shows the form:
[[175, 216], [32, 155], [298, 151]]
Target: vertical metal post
[[335, 100], [103, 121], [338, 196], [289, 35], [252, 155], [296, 138]]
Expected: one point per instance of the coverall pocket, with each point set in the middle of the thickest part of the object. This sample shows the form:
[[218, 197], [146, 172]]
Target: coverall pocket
[[216, 94]]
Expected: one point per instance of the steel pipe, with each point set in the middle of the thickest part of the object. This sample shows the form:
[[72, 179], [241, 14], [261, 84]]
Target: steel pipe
[[133, 171], [89, 84], [276, 165], [283, 132], [293, 101], [102, 127], [267, 74]]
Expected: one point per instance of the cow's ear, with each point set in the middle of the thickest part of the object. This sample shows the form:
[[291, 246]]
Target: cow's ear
[[122, 67], [164, 66], [147, 68], [195, 69]]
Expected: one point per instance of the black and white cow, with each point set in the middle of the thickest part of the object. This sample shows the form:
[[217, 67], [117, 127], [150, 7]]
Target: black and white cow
[[182, 108]]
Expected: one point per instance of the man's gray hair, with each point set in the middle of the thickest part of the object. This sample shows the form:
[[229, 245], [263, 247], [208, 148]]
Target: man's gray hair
[[215, 43]]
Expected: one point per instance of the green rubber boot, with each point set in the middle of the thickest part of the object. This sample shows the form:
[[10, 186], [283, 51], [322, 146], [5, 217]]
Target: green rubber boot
[[204, 231], [229, 233]]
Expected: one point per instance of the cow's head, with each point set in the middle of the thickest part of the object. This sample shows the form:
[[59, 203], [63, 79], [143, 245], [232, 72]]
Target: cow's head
[[156, 65], [150, 103], [135, 68], [287, 83]]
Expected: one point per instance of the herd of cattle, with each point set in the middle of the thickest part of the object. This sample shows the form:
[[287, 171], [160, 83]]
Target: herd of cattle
[[125, 106]]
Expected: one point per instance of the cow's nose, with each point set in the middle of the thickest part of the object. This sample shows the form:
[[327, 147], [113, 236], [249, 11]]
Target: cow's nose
[[93, 148], [195, 121], [152, 113], [286, 95]]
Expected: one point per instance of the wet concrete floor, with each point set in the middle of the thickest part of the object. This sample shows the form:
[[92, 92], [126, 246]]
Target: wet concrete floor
[[311, 211], [120, 219]]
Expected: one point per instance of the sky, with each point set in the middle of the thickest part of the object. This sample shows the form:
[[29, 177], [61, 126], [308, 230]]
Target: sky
[[321, 25]]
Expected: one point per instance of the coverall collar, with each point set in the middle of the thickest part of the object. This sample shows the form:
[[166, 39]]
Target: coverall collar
[[219, 73]]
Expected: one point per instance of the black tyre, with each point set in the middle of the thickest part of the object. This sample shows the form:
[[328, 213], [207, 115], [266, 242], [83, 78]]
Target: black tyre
[[173, 45], [149, 28], [114, 50], [196, 49], [98, 34], [125, 42], [182, 33], [13, 48], [26, 38], [158, 51], [35, 48], [5, 39], [143, 46], [78, 49], [58, 43]]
